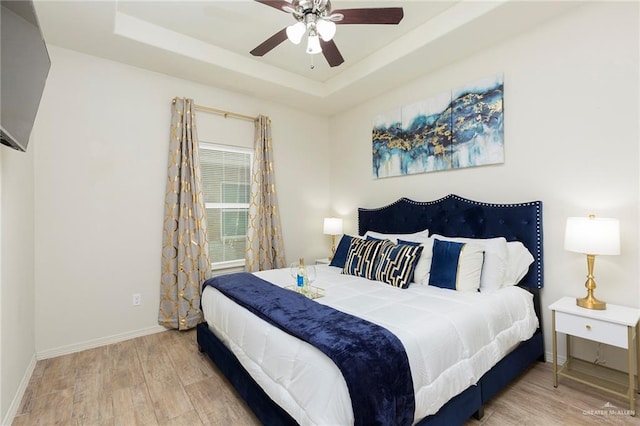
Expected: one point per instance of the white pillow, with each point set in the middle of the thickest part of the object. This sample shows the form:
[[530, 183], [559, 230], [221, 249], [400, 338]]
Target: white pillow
[[496, 259], [417, 237], [519, 261]]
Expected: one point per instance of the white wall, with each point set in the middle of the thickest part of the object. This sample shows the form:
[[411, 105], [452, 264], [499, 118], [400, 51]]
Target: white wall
[[571, 140], [100, 171], [17, 313]]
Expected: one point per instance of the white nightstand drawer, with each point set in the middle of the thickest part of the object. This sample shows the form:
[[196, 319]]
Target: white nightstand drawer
[[592, 329]]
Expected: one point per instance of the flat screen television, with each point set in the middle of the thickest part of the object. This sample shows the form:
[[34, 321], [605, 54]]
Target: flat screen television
[[24, 66]]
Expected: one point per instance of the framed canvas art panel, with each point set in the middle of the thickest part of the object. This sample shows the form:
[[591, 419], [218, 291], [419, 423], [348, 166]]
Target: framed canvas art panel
[[463, 127]]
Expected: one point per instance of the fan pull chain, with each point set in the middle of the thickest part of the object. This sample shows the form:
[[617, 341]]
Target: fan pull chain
[[312, 65]]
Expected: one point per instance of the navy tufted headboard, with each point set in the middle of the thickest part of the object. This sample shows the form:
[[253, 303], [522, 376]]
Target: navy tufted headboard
[[454, 216]]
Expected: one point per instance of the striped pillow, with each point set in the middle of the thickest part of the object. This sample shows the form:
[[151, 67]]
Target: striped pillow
[[361, 257], [397, 263]]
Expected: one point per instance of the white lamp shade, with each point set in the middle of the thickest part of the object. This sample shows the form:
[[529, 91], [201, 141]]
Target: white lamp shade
[[313, 45], [332, 226], [591, 235], [326, 29], [295, 32]]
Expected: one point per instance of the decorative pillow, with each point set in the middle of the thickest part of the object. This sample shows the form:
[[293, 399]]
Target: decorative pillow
[[456, 266], [495, 260], [423, 266], [519, 261], [362, 256], [419, 236], [396, 263], [340, 256], [409, 243]]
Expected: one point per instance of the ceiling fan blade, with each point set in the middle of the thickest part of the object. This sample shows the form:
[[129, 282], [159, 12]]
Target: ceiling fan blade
[[380, 15], [270, 43], [277, 4], [331, 53]]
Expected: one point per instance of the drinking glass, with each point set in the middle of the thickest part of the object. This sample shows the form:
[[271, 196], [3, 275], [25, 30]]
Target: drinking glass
[[311, 274]]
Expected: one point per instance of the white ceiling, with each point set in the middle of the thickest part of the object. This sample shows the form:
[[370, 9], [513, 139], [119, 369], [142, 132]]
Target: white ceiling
[[209, 42]]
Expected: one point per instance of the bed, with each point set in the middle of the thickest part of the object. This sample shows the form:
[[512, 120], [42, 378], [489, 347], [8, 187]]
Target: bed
[[498, 361]]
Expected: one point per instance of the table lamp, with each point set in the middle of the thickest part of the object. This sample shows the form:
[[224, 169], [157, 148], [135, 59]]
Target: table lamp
[[592, 236], [332, 226]]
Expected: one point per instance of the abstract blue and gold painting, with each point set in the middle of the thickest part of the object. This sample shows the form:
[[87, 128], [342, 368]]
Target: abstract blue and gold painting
[[460, 128]]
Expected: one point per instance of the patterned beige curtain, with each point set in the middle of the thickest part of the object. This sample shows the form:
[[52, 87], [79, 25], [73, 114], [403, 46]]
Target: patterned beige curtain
[[265, 249], [185, 250]]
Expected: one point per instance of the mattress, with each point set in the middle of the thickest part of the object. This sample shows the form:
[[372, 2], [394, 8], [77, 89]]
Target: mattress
[[451, 339]]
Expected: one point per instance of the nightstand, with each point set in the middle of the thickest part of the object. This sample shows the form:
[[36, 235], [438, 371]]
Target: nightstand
[[323, 261], [615, 326]]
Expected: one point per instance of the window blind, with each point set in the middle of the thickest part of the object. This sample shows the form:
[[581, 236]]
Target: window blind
[[226, 178]]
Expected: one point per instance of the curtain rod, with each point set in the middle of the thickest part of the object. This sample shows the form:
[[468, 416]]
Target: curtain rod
[[224, 113]]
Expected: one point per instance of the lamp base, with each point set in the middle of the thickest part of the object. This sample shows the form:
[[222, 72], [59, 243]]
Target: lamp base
[[590, 302], [333, 247]]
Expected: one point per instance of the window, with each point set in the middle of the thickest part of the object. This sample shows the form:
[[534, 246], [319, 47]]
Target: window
[[226, 177]]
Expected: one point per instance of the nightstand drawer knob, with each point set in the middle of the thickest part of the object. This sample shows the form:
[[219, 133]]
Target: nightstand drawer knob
[[588, 327]]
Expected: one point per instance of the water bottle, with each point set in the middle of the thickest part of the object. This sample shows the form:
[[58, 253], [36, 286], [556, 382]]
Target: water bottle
[[302, 276]]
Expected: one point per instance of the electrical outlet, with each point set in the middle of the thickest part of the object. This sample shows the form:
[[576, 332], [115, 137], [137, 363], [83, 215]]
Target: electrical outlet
[[137, 299]]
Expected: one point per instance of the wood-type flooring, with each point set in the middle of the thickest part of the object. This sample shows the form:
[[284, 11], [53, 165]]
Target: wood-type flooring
[[162, 379]]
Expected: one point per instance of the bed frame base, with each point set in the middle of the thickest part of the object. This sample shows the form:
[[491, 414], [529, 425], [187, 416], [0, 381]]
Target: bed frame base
[[468, 403], [267, 411]]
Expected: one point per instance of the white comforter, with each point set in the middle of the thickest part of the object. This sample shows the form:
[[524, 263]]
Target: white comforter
[[451, 339]]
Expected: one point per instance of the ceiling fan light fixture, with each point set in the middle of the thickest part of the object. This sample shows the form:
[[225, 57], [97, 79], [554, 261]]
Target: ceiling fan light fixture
[[335, 17], [313, 44], [317, 20], [295, 32], [326, 29]]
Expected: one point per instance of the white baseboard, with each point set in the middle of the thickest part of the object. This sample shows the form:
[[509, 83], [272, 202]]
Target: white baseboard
[[96, 343], [22, 388], [548, 357]]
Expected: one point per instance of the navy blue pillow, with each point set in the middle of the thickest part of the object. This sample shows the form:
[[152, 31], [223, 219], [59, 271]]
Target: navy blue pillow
[[340, 256], [456, 266]]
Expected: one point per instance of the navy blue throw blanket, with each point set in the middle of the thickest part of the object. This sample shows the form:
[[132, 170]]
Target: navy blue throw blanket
[[372, 360]]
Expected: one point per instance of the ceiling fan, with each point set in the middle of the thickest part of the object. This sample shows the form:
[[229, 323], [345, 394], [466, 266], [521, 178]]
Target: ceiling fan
[[318, 20]]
